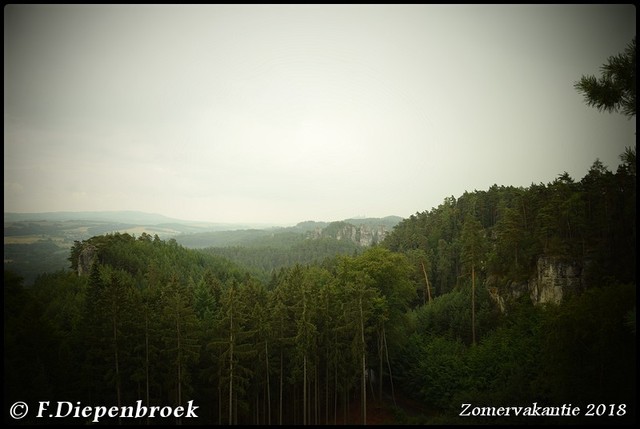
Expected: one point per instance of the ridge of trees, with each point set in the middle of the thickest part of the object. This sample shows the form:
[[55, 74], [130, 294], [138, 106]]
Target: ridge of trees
[[155, 321], [591, 221], [413, 316]]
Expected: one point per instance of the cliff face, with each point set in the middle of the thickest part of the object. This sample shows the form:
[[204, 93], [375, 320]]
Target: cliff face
[[553, 281], [363, 235], [86, 259]]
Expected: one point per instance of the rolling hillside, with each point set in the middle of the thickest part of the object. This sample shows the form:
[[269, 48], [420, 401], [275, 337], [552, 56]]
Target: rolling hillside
[[36, 243]]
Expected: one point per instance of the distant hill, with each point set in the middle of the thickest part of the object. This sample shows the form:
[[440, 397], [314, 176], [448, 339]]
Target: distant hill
[[362, 232], [388, 222], [266, 251], [132, 217], [36, 243], [121, 217]]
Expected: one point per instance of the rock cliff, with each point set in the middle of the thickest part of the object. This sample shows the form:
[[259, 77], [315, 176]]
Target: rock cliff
[[554, 279], [86, 258], [362, 235]]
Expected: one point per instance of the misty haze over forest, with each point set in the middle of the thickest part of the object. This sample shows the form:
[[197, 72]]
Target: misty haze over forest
[[320, 214]]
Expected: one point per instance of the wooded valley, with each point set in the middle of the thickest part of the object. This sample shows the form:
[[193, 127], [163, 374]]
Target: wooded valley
[[446, 310]]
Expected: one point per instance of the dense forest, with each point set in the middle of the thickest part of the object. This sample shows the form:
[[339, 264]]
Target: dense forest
[[409, 329], [260, 261], [499, 299], [306, 243], [39, 243]]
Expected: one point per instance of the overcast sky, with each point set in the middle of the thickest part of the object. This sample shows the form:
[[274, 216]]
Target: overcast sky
[[280, 114]]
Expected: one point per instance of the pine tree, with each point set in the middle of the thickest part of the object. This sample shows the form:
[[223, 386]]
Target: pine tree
[[181, 335], [616, 89], [473, 248]]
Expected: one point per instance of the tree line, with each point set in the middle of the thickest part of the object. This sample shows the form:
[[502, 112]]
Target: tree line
[[320, 343], [155, 321], [500, 233], [317, 343]]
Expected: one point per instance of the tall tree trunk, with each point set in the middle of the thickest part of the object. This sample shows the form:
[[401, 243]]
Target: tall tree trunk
[[364, 367], [304, 391], [426, 282], [231, 372], [179, 419], [315, 385], [117, 363], [235, 407], [473, 304], [335, 394], [345, 409], [295, 404], [326, 388], [146, 359], [281, 387], [257, 409], [219, 395], [380, 361], [393, 394], [266, 354]]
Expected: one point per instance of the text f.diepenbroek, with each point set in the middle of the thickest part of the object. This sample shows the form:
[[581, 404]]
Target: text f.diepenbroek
[[95, 413]]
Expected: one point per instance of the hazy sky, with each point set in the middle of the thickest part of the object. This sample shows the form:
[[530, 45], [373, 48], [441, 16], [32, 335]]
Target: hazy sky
[[280, 114]]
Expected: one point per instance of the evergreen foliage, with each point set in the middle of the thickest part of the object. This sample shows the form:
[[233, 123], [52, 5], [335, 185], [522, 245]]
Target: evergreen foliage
[[331, 341]]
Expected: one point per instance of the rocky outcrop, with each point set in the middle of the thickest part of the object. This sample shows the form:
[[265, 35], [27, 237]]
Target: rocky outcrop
[[555, 278], [362, 235], [553, 281], [86, 258]]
